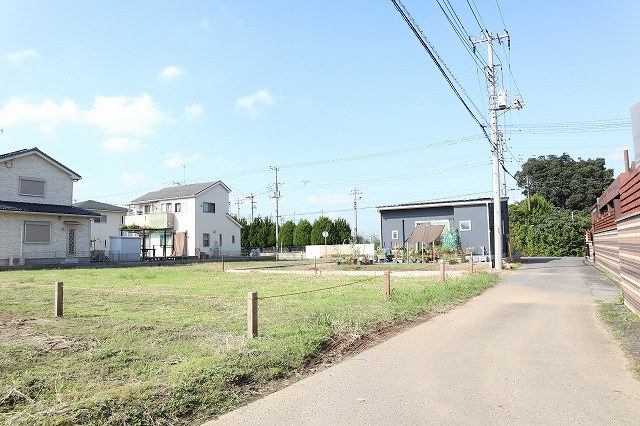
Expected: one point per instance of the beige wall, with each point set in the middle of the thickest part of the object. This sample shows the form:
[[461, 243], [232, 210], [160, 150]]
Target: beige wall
[[11, 226], [100, 232], [58, 187]]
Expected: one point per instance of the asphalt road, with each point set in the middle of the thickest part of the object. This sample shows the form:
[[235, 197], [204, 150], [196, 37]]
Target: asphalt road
[[529, 351]]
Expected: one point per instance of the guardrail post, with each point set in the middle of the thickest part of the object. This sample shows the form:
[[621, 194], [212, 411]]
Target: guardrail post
[[387, 284], [223, 263], [442, 271], [471, 263], [252, 314], [58, 299]]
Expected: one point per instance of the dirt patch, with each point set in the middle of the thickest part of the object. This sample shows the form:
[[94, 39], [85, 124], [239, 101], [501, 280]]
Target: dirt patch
[[339, 348], [23, 332]]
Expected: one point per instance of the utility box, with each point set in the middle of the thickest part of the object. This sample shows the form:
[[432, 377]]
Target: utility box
[[124, 249]]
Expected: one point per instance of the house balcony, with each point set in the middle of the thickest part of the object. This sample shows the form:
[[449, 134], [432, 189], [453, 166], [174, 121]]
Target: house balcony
[[151, 220]]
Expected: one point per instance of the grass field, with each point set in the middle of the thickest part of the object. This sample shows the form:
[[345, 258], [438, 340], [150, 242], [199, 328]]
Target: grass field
[[155, 345]]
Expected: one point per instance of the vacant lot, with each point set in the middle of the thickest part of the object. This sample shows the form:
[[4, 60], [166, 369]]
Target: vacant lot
[[167, 345]]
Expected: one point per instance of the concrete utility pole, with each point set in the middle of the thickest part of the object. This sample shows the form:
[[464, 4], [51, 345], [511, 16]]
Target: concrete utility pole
[[238, 202], [253, 205], [277, 196], [356, 196], [494, 106]]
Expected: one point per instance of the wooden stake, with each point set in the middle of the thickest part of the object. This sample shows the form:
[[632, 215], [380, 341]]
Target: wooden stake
[[471, 263], [441, 271], [315, 268], [252, 314], [58, 299], [387, 284], [223, 263]]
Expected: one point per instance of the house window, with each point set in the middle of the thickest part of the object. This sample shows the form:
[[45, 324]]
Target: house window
[[101, 219], [178, 207], [205, 240], [465, 225], [122, 219], [209, 207], [233, 239], [394, 235], [166, 208], [71, 246], [37, 232], [31, 186], [445, 222], [220, 238], [147, 209]]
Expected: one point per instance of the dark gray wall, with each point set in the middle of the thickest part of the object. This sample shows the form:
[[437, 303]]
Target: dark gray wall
[[477, 213]]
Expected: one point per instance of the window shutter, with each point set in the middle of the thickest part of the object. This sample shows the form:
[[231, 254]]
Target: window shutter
[[37, 232], [31, 187]]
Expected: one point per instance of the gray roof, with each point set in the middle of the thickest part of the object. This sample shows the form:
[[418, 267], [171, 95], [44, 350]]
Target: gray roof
[[14, 206], [97, 205], [445, 203], [22, 152], [179, 191]]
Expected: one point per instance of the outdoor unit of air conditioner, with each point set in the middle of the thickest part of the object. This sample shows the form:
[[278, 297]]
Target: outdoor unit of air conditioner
[[16, 261]]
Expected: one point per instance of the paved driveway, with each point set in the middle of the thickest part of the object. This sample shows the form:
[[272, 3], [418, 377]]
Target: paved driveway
[[529, 351]]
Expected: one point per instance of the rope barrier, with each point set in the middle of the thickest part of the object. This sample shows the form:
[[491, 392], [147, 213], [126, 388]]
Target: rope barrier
[[318, 289], [149, 293]]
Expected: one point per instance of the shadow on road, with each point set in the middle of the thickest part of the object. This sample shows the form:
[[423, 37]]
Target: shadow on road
[[538, 262]]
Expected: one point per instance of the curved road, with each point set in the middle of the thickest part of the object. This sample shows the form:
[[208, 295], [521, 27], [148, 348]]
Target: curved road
[[529, 351]]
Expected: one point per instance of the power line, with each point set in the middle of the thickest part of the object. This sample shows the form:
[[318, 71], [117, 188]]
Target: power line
[[427, 46]]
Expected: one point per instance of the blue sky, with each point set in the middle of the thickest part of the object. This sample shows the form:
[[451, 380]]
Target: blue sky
[[126, 93]]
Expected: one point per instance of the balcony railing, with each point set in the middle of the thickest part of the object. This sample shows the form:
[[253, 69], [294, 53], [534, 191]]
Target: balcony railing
[[152, 220]]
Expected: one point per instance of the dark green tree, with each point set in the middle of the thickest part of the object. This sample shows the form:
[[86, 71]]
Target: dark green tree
[[244, 232], [285, 234], [269, 233], [302, 233], [256, 233], [323, 224], [545, 230], [564, 182], [343, 229]]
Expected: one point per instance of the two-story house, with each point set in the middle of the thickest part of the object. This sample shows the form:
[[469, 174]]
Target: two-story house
[[105, 226], [38, 223], [196, 216]]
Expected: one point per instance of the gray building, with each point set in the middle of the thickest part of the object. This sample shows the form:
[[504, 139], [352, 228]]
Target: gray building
[[472, 218]]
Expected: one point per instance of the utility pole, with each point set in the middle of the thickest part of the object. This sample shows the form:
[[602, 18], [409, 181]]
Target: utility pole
[[495, 105], [356, 196], [504, 172], [529, 192], [238, 202], [277, 196], [253, 205]]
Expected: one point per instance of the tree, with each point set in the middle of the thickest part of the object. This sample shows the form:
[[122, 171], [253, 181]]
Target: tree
[[343, 230], [302, 233], [285, 234], [256, 233], [244, 231], [564, 182], [320, 225], [546, 230]]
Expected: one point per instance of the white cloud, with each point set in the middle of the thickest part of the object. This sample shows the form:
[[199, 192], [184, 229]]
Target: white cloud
[[116, 114], [122, 145], [17, 57], [126, 115], [177, 159], [328, 199], [249, 104], [204, 23], [132, 178], [46, 115], [170, 72], [193, 111]]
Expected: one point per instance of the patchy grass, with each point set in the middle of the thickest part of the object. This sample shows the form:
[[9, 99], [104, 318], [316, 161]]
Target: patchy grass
[[166, 345], [625, 326]]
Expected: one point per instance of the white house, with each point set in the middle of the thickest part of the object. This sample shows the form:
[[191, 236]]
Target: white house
[[38, 223], [197, 213], [105, 226]]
